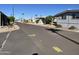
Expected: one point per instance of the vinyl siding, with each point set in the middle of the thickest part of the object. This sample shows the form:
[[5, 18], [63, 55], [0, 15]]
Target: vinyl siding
[[0, 19], [68, 21]]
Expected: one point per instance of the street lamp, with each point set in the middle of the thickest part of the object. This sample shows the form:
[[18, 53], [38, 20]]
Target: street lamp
[[13, 14], [22, 16], [36, 15]]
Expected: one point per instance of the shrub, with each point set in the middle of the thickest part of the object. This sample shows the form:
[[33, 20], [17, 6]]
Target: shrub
[[25, 21], [37, 21], [55, 23], [11, 19], [58, 26], [72, 27]]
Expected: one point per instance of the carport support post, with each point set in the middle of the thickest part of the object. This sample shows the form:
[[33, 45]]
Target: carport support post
[[0, 19], [13, 13], [67, 21]]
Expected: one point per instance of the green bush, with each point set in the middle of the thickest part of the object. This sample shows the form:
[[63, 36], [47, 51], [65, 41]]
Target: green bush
[[55, 23], [25, 21], [37, 21], [48, 19], [72, 27], [58, 26], [11, 19]]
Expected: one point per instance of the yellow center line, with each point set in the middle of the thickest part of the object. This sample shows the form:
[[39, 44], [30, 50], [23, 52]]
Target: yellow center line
[[57, 49]]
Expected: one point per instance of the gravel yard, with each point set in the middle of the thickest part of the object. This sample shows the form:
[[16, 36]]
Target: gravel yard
[[8, 28]]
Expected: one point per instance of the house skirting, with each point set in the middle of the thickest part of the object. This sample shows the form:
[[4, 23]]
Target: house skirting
[[67, 25]]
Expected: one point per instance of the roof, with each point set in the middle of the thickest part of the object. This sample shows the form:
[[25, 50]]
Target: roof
[[3, 13], [67, 11]]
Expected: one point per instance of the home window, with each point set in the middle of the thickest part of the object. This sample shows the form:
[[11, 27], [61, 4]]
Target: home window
[[59, 17], [64, 17], [75, 16]]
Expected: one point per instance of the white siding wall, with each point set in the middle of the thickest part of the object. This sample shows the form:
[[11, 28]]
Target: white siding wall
[[68, 21], [63, 22], [0, 19], [74, 22]]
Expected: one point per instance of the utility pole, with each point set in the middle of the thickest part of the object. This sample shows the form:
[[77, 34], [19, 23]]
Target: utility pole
[[13, 12], [22, 17]]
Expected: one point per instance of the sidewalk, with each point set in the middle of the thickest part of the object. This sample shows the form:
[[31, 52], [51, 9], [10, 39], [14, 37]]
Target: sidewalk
[[74, 36], [65, 29]]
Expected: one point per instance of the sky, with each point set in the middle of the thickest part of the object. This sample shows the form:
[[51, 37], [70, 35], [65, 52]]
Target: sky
[[30, 10]]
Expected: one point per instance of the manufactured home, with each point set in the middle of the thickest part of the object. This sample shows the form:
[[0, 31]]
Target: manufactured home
[[3, 19], [68, 18]]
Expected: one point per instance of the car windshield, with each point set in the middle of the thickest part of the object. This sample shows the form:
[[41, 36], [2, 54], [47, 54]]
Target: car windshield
[[39, 29]]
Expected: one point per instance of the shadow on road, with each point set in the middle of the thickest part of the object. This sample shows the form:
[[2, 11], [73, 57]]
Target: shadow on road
[[56, 31], [35, 54]]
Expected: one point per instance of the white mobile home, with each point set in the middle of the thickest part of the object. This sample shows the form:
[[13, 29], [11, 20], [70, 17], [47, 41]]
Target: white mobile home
[[68, 18]]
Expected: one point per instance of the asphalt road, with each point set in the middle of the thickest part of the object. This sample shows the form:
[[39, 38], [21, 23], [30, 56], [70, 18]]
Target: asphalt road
[[31, 39]]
